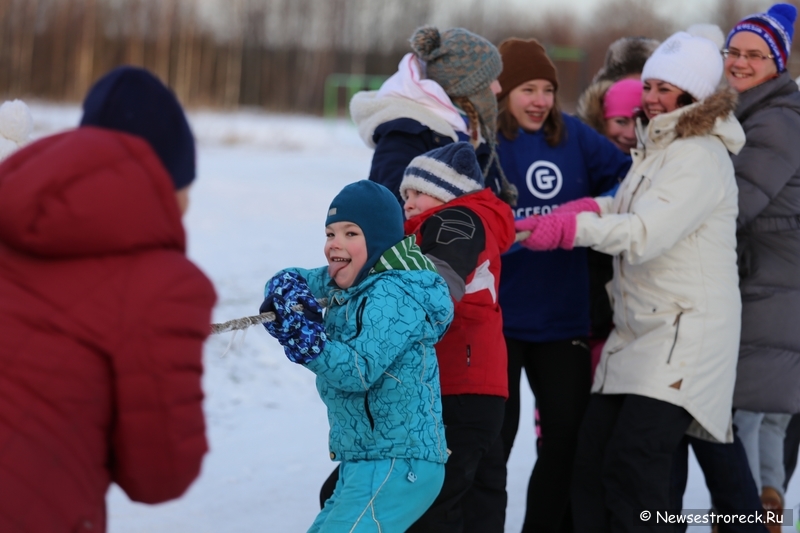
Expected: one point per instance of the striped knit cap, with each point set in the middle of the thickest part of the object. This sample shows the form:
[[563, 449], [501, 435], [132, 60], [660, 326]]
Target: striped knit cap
[[776, 27], [444, 173]]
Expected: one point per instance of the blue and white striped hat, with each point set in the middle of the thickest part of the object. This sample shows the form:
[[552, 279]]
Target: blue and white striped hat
[[444, 173]]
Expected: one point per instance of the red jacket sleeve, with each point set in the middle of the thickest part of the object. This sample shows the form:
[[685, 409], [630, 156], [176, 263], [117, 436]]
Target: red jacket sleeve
[[158, 438]]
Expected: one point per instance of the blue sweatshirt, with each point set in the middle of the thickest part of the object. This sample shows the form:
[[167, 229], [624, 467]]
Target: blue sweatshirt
[[545, 295]]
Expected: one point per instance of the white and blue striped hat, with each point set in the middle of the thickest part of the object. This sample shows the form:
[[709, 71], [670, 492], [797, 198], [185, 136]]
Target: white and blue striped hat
[[444, 173]]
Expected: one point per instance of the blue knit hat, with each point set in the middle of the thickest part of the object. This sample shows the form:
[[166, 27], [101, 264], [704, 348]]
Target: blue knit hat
[[444, 173], [376, 211], [776, 27], [132, 100]]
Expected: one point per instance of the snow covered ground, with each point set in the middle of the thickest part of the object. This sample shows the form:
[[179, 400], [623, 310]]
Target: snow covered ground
[[258, 205]]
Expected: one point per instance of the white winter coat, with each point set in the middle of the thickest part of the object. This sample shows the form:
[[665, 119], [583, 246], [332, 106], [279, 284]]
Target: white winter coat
[[675, 293]]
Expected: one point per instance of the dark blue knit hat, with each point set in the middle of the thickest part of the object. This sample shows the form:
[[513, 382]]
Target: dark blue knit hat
[[776, 27], [376, 211], [132, 100], [444, 173]]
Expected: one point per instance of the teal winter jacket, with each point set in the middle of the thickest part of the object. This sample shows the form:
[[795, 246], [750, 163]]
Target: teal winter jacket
[[378, 374]]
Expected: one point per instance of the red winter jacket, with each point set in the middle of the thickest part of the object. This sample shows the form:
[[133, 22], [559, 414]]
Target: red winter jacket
[[466, 236], [102, 321]]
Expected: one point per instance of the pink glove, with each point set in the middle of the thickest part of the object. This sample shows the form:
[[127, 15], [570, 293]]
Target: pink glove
[[579, 206], [549, 232]]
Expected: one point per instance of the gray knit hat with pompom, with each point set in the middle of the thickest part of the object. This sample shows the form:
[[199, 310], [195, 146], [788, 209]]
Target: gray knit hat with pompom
[[465, 65]]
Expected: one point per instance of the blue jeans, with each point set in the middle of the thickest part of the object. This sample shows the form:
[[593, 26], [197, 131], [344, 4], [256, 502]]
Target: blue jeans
[[728, 479], [385, 496], [762, 437]]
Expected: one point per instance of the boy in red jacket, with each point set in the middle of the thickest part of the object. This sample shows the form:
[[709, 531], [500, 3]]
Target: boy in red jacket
[[463, 228], [102, 315]]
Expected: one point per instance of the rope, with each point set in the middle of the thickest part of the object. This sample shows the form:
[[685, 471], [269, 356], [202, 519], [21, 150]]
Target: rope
[[247, 321]]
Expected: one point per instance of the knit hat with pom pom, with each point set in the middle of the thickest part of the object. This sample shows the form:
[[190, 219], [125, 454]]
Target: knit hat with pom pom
[[16, 126], [776, 27], [465, 65]]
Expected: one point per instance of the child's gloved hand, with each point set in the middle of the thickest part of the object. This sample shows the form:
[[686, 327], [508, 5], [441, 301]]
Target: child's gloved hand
[[299, 330], [548, 232], [580, 205]]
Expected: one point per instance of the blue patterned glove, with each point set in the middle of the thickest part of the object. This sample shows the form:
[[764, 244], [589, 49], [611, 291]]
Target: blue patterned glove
[[301, 333]]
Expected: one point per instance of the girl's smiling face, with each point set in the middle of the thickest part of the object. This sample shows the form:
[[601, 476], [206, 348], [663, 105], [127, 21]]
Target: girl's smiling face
[[622, 132], [659, 97], [530, 103], [346, 252]]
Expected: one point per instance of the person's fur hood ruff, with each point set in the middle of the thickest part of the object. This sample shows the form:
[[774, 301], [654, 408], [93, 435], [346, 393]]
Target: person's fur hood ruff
[[625, 57], [710, 116], [702, 119], [370, 111], [590, 105]]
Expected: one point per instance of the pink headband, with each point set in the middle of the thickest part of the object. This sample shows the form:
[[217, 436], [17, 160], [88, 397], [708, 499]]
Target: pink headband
[[622, 99]]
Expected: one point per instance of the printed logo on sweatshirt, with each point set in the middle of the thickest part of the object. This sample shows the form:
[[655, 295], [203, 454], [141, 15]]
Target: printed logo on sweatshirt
[[544, 179]]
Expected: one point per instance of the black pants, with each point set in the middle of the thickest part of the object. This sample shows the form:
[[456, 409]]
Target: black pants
[[475, 474], [728, 479], [624, 462], [473, 497], [560, 376]]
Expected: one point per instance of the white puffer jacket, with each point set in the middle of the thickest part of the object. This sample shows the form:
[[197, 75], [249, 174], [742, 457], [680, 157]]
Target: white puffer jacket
[[675, 293]]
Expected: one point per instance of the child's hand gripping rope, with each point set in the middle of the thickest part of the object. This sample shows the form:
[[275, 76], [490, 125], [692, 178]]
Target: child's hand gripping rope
[[298, 317]]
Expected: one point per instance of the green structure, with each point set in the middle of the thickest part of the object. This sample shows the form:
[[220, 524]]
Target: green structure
[[351, 83]]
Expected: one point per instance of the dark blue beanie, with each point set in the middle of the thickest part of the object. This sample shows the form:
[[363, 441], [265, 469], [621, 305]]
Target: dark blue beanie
[[132, 100], [376, 211]]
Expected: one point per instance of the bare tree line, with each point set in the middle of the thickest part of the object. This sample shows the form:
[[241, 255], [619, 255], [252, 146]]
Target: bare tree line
[[276, 54]]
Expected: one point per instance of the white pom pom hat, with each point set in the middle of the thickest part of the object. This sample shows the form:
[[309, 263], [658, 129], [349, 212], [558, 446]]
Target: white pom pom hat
[[689, 62]]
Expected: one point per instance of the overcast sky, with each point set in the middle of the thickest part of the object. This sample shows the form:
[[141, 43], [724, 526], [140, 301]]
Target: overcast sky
[[683, 11]]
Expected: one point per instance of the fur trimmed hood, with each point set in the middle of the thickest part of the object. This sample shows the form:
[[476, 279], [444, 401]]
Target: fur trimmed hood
[[369, 111], [590, 105], [625, 57], [710, 116]]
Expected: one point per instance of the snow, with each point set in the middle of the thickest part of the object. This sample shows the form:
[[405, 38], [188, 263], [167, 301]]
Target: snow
[[259, 202]]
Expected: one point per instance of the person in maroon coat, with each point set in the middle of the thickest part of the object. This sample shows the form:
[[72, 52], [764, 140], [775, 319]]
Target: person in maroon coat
[[102, 316]]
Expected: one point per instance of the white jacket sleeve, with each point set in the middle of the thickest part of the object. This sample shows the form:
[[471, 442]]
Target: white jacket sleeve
[[681, 195]]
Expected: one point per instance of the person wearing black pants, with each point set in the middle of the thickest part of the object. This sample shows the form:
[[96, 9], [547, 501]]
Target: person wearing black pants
[[623, 464], [728, 478], [559, 374], [474, 472]]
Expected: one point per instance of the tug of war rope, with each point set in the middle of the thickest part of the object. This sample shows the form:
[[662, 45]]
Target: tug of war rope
[[245, 322]]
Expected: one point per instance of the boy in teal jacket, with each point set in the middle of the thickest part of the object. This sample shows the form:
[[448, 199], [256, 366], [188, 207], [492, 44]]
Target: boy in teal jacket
[[373, 354]]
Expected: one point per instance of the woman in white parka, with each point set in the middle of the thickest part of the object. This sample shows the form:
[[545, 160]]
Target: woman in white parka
[[671, 358]]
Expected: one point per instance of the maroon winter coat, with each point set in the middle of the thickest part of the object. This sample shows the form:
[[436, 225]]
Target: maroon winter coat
[[468, 234], [102, 321]]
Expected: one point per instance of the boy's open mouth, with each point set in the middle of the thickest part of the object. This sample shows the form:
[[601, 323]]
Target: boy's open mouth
[[336, 264]]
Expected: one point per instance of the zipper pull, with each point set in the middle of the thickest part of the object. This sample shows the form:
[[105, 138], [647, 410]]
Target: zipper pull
[[469, 354]]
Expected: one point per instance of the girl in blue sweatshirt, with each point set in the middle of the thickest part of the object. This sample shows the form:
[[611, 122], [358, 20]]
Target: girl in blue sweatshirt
[[552, 158]]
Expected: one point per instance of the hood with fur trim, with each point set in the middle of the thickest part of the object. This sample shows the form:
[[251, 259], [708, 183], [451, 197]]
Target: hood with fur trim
[[625, 57], [590, 105], [711, 116], [369, 111]]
